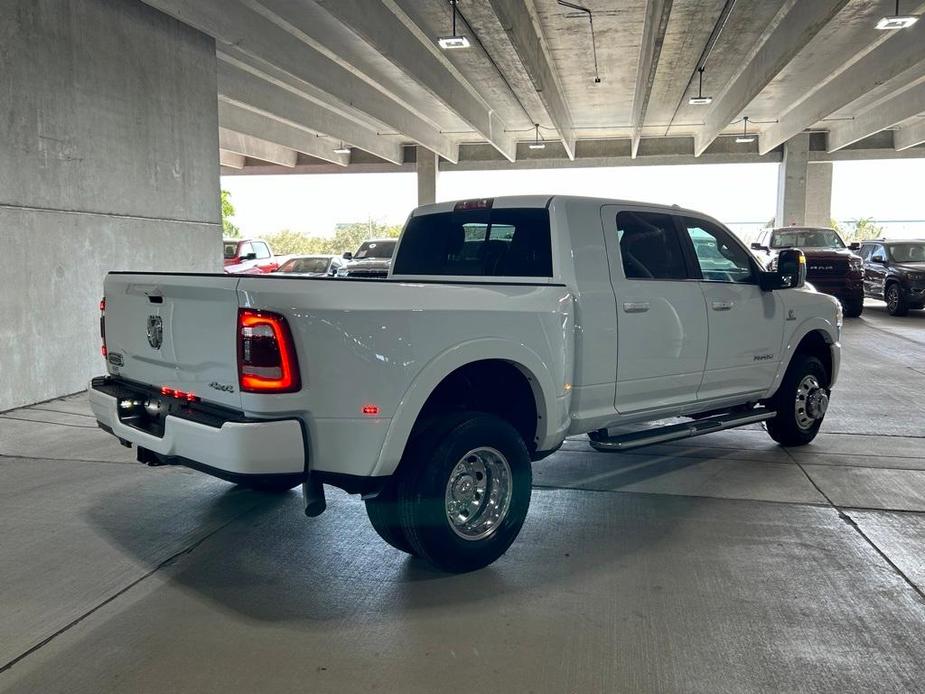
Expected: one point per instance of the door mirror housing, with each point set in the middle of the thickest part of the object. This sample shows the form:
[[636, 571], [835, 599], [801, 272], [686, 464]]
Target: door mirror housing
[[348, 256], [878, 259], [790, 272], [856, 246], [758, 247], [248, 256]]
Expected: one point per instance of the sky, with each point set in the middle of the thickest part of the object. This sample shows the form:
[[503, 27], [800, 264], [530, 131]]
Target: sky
[[737, 194]]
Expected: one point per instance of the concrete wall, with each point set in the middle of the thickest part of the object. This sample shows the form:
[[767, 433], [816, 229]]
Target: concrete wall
[[108, 161]]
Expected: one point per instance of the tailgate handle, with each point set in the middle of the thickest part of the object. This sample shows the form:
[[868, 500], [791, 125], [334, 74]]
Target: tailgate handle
[[155, 298]]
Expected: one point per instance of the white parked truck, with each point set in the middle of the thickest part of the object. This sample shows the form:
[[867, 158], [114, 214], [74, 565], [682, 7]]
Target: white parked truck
[[504, 326]]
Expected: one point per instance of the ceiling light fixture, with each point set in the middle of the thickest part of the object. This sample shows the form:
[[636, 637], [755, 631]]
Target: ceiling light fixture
[[700, 99], [897, 21], [581, 8], [455, 41], [537, 143], [745, 138], [342, 149]]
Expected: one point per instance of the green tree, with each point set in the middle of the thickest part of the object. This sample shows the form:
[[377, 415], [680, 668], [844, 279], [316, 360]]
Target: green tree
[[229, 230], [865, 229], [288, 242], [347, 237]]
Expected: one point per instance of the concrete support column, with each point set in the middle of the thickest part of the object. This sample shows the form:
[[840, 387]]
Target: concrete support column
[[108, 161], [427, 168], [804, 188]]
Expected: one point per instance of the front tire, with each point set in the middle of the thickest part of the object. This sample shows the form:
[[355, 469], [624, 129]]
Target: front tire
[[853, 307], [464, 490], [895, 301], [800, 402]]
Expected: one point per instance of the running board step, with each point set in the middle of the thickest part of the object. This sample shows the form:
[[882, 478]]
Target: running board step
[[685, 430]]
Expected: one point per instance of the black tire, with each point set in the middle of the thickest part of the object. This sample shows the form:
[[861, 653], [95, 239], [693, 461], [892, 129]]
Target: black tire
[[424, 477], [383, 514], [785, 427], [895, 301], [853, 308]]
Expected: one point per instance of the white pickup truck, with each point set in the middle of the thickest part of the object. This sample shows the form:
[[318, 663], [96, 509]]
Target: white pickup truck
[[504, 326]]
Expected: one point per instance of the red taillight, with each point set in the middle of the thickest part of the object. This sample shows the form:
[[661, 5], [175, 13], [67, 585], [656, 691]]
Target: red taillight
[[266, 356], [103, 349], [177, 394]]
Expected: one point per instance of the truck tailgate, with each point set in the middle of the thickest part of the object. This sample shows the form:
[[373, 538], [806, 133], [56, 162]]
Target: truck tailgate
[[176, 331]]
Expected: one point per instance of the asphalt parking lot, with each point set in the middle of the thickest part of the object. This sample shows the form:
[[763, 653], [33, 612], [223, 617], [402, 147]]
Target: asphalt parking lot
[[719, 564]]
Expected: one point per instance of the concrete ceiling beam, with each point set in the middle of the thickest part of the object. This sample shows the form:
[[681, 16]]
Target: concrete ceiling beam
[[385, 27], [653, 37], [887, 60], [909, 135], [520, 23], [250, 28], [255, 148], [240, 85], [799, 22], [230, 160], [255, 124], [904, 105]]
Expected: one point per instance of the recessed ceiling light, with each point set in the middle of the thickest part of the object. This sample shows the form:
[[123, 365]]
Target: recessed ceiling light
[[700, 99], [455, 40], [897, 21]]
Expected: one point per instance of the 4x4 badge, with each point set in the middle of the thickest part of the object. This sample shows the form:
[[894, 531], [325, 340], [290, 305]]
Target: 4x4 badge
[[155, 331]]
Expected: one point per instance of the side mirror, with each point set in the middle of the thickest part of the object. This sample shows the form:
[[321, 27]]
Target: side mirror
[[878, 259], [348, 256], [790, 273], [856, 246], [248, 256], [758, 247]]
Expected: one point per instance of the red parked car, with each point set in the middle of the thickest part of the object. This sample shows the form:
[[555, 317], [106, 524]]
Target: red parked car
[[248, 256]]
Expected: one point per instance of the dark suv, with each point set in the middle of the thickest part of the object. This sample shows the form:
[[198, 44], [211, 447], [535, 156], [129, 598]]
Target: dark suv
[[831, 265], [894, 271]]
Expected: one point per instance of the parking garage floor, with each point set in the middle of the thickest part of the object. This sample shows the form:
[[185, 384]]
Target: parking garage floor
[[718, 564]]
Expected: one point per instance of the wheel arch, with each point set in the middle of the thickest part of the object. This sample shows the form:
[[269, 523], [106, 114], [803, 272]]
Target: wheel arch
[[817, 337], [484, 353]]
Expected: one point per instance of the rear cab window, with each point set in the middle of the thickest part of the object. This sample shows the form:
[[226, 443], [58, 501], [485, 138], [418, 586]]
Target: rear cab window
[[503, 242]]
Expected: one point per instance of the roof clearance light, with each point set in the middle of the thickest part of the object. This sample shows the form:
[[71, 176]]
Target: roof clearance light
[[477, 204]]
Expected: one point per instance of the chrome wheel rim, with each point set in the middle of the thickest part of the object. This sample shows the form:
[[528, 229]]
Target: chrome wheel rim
[[811, 404], [478, 493], [892, 298]]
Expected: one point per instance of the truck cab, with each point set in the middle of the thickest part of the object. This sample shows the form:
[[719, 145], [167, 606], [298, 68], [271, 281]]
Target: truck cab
[[248, 256]]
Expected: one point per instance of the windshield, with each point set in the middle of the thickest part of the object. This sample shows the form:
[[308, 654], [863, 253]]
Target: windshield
[[306, 265], [230, 248], [908, 252], [806, 238], [375, 249]]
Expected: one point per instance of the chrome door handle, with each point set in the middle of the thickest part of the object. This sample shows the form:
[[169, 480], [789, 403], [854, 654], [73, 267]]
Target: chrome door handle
[[722, 305], [635, 306]]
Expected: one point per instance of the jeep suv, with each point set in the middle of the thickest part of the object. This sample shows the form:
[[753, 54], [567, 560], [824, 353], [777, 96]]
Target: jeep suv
[[832, 266], [894, 271]]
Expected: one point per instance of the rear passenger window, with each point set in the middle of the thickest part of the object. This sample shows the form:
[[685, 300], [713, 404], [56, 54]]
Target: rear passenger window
[[649, 246], [485, 243]]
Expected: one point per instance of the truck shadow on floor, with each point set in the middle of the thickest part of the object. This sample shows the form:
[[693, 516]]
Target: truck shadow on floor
[[265, 560]]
